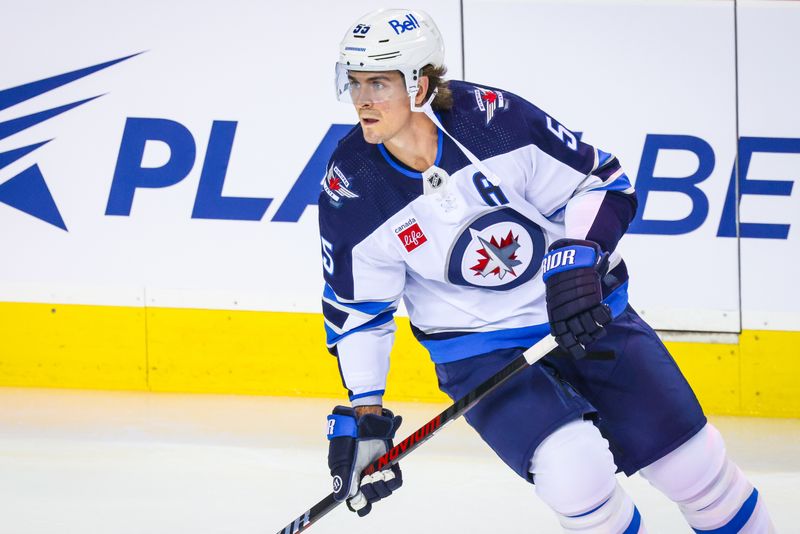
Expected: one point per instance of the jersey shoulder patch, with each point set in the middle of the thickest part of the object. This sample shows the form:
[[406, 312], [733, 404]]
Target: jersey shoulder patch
[[486, 120], [357, 193], [341, 181], [506, 115], [337, 186], [486, 102]]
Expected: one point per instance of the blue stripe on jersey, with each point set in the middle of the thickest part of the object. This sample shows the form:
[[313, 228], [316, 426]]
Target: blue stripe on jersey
[[408, 172], [738, 521], [620, 184], [376, 393], [603, 157], [333, 315], [465, 346], [556, 213], [367, 308], [333, 338]]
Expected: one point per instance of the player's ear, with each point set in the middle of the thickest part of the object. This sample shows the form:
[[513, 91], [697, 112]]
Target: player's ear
[[423, 83]]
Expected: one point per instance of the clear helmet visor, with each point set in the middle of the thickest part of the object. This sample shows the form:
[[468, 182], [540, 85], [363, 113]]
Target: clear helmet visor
[[363, 87]]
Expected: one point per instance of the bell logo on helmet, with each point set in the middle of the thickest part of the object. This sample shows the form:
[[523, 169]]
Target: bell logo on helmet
[[407, 24], [398, 39]]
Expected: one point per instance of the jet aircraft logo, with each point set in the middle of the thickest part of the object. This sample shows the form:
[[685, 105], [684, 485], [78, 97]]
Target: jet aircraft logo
[[499, 250], [497, 258], [27, 190]]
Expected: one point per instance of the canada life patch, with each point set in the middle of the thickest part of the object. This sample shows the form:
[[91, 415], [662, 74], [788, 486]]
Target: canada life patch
[[410, 234]]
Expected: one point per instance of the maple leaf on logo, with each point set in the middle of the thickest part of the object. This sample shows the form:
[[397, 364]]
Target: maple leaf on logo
[[506, 241], [334, 183], [489, 96], [499, 258], [482, 262]]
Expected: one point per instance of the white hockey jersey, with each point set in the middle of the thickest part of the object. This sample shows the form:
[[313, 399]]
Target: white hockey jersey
[[463, 252]]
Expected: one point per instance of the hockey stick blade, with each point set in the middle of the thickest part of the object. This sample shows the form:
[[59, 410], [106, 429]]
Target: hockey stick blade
[[424, 433]]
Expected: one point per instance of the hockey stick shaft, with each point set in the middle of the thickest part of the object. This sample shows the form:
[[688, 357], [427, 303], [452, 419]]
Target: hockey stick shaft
[[425, 432]]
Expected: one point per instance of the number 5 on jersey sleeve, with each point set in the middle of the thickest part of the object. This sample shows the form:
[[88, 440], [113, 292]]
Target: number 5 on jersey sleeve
[[566, 137], [327, 257]]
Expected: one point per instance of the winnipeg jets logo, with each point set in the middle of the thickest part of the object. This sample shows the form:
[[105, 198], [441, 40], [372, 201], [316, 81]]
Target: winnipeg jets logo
[[498, 250], [496, 258], [336, 186], [489, 102], [499, 253]]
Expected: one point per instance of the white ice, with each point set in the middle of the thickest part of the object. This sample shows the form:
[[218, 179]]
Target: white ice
[[85, 462]]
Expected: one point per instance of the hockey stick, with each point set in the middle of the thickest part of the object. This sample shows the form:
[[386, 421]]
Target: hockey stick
[[454, 411]]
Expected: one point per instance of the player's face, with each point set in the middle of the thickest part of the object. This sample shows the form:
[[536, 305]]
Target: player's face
[[381, 101]]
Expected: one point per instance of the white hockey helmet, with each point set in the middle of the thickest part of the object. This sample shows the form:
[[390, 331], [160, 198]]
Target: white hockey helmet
[[386, 40]]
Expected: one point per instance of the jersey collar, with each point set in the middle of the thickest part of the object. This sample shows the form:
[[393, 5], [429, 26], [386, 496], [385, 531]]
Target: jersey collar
[[406, 171]]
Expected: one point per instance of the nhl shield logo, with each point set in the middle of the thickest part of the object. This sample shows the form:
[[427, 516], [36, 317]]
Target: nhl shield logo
[[435, 180]]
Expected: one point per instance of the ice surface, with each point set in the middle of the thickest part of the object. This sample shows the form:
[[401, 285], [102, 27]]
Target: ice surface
[[83, 462]]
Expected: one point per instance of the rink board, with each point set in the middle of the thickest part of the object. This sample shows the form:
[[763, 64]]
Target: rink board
[[267, 353], [144, 275]]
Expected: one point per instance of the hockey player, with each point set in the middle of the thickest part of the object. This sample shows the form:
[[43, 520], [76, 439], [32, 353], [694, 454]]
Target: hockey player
[[497, 225]]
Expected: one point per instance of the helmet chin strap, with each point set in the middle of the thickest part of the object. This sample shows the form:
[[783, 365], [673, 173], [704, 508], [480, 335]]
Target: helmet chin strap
[[412, 97], [426, 108]]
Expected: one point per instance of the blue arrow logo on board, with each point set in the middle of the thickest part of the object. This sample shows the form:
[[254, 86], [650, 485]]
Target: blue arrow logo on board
[[27, 191]]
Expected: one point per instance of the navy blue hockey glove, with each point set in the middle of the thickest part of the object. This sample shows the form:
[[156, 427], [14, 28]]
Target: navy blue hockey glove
[[572, 271], [353, 445]]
